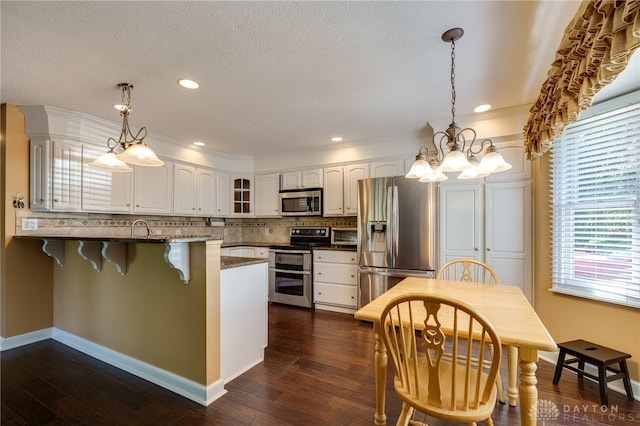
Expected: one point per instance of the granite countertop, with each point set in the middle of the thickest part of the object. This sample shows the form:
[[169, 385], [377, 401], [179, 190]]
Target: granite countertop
[[245, 244], [227, 262], [152, 239]]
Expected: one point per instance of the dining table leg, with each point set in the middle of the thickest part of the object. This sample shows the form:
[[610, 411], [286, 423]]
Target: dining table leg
[[380, 418], [512, 368], [528, 391]]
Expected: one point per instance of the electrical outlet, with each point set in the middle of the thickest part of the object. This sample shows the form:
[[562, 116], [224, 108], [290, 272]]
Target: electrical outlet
[[29, 224]]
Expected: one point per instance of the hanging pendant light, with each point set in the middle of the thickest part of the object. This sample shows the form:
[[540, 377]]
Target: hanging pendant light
[[132, 149], [455, 149]]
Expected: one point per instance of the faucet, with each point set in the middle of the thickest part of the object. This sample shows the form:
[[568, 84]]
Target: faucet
[[135, 222]]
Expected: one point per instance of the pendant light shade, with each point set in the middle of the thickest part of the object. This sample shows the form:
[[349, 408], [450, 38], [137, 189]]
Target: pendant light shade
[[140, 155], [109, 161]]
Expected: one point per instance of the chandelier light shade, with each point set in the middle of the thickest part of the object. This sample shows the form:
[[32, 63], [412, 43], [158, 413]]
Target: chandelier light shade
[[456, 149], [129, 148]]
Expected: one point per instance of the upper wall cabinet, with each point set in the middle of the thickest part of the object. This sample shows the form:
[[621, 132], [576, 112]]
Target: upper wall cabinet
[[387, 168], [242, 202], [205, 192], [184, 196], [153, 189], [341, 189], [104, 191], [352, 174], [514, 154], [55, 174], [300, 179], [267, 188], [223, 194]]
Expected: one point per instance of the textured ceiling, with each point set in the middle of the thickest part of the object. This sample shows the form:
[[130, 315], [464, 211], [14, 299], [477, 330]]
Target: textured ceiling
[[277, 76]]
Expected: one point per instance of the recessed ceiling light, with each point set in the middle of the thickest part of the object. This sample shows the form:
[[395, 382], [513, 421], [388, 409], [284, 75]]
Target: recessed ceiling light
[[198, 143], [188, 84], [336, 139], [482, 108]]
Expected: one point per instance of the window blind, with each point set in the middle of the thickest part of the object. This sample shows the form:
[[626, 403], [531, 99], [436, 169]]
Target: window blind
[[595, 198]]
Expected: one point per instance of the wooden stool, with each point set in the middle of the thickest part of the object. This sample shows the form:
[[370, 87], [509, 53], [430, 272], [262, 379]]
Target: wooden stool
[[600, 356]]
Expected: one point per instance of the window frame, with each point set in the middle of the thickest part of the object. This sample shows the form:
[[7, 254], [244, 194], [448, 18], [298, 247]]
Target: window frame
[[615, 278]]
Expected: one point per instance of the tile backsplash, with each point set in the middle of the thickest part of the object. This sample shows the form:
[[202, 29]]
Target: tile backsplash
[[231, 230]]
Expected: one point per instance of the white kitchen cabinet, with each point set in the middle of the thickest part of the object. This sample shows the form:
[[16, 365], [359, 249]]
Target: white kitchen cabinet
[[184, 190], [242, 193], [205, 192], [246, 251], [56, 174], [102, 190], [514, 154], [223, 194], [492, 223], [153, 189], [300, 179], [266, 195], [334, 280], [352, 174], [333, 196], [40, 170], [387, 168]]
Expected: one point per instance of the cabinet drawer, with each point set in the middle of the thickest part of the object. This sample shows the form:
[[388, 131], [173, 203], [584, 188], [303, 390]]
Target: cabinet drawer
[[335, 294], [335, 273], [337, 256]]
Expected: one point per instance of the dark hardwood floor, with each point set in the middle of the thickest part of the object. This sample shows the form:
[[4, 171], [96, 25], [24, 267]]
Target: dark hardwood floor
[[318, 370]]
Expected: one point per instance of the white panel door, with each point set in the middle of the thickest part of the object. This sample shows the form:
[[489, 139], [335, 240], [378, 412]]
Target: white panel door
[[266, 194], [387, 168], [153, 189], [333, 196], [223, 194], [461, 216], [205, 192], [66, 178], [508, 232], [352, 174], [184, 190]]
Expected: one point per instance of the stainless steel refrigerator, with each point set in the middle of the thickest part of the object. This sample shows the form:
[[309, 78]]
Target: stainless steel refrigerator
[[397, 227]]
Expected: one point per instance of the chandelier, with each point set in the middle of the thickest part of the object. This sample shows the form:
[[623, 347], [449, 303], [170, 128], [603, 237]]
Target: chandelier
[[129, 148], [461, 147]]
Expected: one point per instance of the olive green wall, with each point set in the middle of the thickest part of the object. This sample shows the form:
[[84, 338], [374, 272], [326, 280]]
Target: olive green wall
[[568, 317], [147, 314], [26, 276]]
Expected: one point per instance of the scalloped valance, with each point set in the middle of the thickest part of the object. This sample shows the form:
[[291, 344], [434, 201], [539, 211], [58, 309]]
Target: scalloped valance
[[595, 48]]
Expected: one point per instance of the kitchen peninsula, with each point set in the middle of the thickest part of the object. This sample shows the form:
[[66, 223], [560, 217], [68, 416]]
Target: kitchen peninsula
[[190, 337]]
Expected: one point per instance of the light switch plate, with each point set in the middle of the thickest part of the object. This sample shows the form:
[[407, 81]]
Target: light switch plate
[[29, 224]]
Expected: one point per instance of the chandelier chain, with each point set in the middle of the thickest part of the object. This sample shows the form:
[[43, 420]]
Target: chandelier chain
[[453, 80]]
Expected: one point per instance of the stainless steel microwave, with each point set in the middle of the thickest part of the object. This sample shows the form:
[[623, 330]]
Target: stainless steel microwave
[[305, 202], [344, 236]]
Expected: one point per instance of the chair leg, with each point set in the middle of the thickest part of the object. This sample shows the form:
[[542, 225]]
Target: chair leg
[[489, 422], [405, 415], [501, 399]]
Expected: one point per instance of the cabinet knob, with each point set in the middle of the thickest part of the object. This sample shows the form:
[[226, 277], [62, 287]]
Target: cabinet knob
[[137, 205], [352, 275], [475, 249], [55, 200], [319, 273], [193, 208], [488, 249], [199, 208], [319, 292], [128, 204]]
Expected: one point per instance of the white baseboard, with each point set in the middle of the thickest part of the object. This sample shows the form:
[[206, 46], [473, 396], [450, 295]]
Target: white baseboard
[[24, 339], [201, 394], [616, 385]]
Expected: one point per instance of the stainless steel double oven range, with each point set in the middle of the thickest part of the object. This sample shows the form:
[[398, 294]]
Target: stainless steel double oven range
[[290, 266]]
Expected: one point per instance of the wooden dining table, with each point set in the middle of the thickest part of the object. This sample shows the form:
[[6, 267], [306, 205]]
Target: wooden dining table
[[505, 306]]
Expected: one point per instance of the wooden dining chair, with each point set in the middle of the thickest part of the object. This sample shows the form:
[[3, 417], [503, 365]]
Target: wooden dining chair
[[447, 376], [471, 270]]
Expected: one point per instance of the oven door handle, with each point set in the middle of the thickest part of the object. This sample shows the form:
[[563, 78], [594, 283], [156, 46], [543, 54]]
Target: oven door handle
[[290, 251], [289, 271]]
